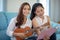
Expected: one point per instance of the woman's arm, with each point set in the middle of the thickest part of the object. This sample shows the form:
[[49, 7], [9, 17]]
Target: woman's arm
[[47, 23], [49, 26], [35, 25], [11, 27]]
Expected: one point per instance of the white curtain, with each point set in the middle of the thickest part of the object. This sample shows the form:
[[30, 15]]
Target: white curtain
[[1, 5], [55, 10], [46, 6]]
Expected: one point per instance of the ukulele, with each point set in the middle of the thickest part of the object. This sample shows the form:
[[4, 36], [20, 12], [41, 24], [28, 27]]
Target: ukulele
[[27, 31]]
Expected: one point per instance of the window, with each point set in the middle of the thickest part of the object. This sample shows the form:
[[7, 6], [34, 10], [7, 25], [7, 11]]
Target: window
[[46, 6], [1, 5]]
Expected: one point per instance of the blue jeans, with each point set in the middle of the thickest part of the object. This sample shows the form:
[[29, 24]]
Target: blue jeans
[[53, 37], [32, 38]]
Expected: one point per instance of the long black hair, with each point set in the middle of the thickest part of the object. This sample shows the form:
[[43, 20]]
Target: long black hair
[[34, 9]]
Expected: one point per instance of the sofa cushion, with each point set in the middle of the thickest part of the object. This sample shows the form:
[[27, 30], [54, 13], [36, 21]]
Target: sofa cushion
[[3, 35], [54, 25], [58, 36], [10, 15], [3, 21]]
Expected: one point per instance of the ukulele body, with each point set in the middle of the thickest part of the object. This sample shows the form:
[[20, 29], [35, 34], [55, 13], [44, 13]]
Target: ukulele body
[[23, 30]]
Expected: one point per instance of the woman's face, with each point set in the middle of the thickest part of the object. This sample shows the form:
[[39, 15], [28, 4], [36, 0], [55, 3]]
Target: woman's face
[[39, 11], [26, 10]]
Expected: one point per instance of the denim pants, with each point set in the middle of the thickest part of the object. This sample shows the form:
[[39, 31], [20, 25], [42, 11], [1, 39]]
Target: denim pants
[[31, 38], [53, 37]]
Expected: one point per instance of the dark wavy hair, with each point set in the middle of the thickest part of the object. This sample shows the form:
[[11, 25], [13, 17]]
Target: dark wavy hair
[[34, 9], [20, 17]]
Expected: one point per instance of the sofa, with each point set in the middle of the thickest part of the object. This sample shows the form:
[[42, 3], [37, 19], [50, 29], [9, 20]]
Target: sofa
[[5, 18]]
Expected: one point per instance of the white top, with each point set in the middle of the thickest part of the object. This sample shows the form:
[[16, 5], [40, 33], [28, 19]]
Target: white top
[[12, 26], [39, 21]]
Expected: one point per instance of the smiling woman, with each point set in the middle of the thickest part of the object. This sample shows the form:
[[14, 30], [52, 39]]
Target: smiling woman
[[20, 24]]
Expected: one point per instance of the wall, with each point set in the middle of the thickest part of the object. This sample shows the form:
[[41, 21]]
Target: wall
[[13, 5]]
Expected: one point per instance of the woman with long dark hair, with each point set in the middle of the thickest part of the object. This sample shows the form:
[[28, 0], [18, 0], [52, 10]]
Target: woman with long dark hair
[[40, 20], [21, 21]]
